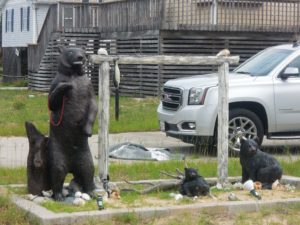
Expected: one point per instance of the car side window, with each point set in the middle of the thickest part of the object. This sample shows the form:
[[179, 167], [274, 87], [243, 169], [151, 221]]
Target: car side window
[[295, 63]]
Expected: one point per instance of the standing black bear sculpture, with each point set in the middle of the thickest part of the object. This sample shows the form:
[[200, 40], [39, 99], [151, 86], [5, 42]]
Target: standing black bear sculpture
[[193, 184], [73, 111], [258, 165], [37, 165]]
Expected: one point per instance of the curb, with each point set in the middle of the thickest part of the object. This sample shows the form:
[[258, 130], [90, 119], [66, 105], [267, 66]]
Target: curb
[[14, 88], [46, 217]]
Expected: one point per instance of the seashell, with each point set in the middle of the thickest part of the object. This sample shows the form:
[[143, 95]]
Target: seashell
[[78, 202], [232, 197], [178, 197], [86, 197], [78, 194], [257, 185], [115, 194], [238, 186], [47, 193], [275, 185]]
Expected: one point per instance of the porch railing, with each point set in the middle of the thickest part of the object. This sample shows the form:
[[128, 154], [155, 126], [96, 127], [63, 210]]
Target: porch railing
[[218, 15]]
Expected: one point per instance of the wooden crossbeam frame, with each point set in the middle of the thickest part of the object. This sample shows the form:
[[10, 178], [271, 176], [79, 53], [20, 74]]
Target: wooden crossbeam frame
[[222, 61]]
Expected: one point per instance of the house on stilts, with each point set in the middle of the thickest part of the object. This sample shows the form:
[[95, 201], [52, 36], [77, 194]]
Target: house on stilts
[[33, 29]]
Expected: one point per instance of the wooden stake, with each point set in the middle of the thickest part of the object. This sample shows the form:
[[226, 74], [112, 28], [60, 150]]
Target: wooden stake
[[223, 124], [103, 130]]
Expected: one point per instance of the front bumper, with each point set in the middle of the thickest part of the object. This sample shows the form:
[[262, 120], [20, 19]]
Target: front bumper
[[175, 123]]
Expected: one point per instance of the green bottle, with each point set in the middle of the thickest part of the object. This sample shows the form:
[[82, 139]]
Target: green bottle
[[100, 202]]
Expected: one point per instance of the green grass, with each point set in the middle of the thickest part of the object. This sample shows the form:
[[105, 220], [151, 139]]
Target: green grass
[[151, 170], [19, 83], [16, 107], [11, 215], [13, 175], [69, 208]]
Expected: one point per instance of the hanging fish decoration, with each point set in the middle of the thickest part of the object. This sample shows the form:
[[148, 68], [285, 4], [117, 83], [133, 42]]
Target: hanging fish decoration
[[116, 80]]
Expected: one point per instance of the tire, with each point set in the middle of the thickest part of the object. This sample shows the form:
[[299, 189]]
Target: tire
[[243, 122]]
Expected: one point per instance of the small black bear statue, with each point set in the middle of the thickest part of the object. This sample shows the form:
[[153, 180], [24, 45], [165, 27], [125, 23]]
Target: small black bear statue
[[37, 164], [193, 184], [258, 165]]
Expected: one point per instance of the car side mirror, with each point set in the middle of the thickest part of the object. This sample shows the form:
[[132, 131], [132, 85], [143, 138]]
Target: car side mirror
[[289, 72]]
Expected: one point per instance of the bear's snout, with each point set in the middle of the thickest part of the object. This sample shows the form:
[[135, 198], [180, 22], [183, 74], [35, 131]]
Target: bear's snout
[[38, 162], [79, 60], [252, 150]]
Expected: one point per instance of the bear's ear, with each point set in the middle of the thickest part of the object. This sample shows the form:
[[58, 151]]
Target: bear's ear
[[256, 139], [32, 133], [61, 49], [243, 139], [31, 130]]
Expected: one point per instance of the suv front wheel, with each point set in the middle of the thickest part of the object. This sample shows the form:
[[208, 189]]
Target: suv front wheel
[[243, 122]]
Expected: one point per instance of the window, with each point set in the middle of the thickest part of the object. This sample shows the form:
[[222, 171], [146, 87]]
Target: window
[[264, 62], [68, 17], [94, 16], [9, 20], [295, 63], [25, 18]]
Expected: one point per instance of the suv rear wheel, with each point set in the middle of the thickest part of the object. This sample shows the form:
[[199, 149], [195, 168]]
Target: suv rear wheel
[[243, 122]]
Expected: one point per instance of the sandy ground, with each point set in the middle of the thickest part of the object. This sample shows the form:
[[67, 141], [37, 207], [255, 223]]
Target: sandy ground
[[219, 196]]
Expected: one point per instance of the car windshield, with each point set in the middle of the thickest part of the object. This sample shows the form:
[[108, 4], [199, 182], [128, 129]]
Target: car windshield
[[264, 62]]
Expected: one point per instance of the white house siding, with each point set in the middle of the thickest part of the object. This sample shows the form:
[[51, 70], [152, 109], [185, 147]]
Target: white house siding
[[40, 16], [16, 38], [19, 38]]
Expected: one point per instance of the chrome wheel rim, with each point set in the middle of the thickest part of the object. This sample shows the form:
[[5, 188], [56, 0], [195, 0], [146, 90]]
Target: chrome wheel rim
[[240, 127]]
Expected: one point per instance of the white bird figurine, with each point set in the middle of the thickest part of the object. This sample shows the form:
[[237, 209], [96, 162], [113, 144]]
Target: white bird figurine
[[223, 53]]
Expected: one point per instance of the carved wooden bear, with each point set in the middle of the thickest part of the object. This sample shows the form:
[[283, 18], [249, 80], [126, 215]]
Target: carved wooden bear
[[258, 165], [38, 179], [193, 184], [73, 111]]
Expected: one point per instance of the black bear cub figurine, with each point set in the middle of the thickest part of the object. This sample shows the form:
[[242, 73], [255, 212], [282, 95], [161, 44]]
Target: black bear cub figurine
[[258, 165], [193, 184], [37, 165]]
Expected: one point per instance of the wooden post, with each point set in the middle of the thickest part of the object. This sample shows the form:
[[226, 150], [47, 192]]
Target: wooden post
[[103, 130], [223, 124]]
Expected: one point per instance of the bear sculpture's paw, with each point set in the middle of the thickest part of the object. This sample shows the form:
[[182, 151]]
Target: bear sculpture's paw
[[58, 197]]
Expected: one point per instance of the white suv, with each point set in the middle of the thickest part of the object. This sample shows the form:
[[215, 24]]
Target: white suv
[[264, 99]]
